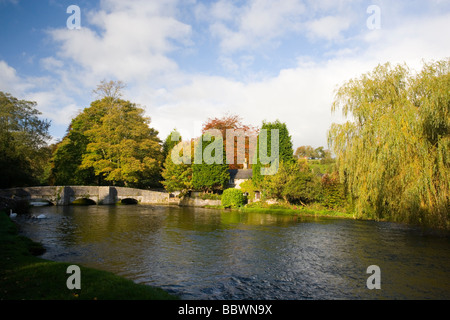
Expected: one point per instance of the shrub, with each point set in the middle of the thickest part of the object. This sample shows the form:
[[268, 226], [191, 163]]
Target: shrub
[[333, 195], [232, 198], [249, 187], [210, 196]]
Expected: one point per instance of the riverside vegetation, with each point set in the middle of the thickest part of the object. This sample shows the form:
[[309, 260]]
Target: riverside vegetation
[[391, 162]]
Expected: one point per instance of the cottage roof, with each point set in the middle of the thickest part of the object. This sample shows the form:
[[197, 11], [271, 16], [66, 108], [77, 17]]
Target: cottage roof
[[244, 174]]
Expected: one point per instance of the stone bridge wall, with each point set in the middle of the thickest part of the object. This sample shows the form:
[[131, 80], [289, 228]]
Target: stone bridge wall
[[101, 195]]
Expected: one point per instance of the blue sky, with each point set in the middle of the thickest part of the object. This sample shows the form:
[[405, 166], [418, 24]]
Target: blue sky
[[186, 61]]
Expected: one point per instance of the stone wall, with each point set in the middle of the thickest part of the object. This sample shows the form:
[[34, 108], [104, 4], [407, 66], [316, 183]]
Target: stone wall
[[197, 202], [65, 195]]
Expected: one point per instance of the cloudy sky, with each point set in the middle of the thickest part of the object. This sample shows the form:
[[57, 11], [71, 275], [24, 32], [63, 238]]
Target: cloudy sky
[[188, 60]]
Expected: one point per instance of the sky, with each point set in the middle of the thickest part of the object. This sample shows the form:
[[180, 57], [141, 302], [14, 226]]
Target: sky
[[185, 61]]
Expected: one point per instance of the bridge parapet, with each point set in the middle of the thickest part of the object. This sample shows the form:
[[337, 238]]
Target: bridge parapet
[[65, 195]]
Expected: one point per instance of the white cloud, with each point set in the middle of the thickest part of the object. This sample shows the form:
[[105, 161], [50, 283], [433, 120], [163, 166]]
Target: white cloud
[[302, 96], [52, 98], [11, 82], [411, 42], [329, 27], [50, 63], [258, 23], [136, 41], [55, 106], [133, 41]]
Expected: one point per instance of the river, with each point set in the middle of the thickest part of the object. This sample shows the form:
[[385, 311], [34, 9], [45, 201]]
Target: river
[[202, 254]]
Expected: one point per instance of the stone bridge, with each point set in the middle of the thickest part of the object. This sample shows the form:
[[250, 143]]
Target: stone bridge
[[66, 195]]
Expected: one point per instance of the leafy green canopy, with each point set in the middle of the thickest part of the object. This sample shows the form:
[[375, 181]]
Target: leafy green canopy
[[109, 143], [177, 176], [285, 149], [23, 143], [294, 183], [394, 153]]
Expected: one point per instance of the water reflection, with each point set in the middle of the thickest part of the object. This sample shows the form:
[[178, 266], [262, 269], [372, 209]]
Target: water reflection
[[209, 254]]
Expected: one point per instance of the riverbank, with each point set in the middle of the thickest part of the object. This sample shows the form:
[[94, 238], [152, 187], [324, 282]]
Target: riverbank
[[25, 276], [305, 212], [288, 210], [317, 211]]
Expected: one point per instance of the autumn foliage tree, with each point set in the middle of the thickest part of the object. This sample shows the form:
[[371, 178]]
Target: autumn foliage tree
[[243, 133]]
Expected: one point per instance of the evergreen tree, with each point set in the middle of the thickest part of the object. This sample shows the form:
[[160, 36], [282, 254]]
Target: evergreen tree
[[211, 174], [285, 148], [177, 176], [172, 140]]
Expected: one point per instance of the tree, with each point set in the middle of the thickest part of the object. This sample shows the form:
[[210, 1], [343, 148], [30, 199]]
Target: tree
[[68, 154], [232, 198], [333, 193], [244, 133], [172, 140], [122, 148], [177, 176], [306, 152], [284, 143], [23, 143], [211, 173], [394, 155], [294, 183], [110, 142], [111, 90], [311, 153]]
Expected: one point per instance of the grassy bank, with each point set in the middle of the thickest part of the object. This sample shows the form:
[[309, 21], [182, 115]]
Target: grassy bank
[[23, 276], [299, 212], [286, 209]]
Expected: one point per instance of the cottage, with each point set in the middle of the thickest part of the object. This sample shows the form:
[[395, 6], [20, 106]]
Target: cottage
[[237, 176]]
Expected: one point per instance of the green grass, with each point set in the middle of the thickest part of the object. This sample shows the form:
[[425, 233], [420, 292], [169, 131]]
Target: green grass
[[24, 276], [285, 209], [300, 212]]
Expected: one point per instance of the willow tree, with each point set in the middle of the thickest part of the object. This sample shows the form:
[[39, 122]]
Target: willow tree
[[393, 152]]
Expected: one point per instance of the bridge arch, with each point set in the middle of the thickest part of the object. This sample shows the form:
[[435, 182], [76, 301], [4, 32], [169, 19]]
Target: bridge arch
[[102, 195], [128, 201], [84, 202]]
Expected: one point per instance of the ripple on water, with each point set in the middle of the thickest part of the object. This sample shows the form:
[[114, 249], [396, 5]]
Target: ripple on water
[[205, 254]]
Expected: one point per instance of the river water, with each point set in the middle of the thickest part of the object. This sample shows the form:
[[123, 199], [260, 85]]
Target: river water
[[202, 253]]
